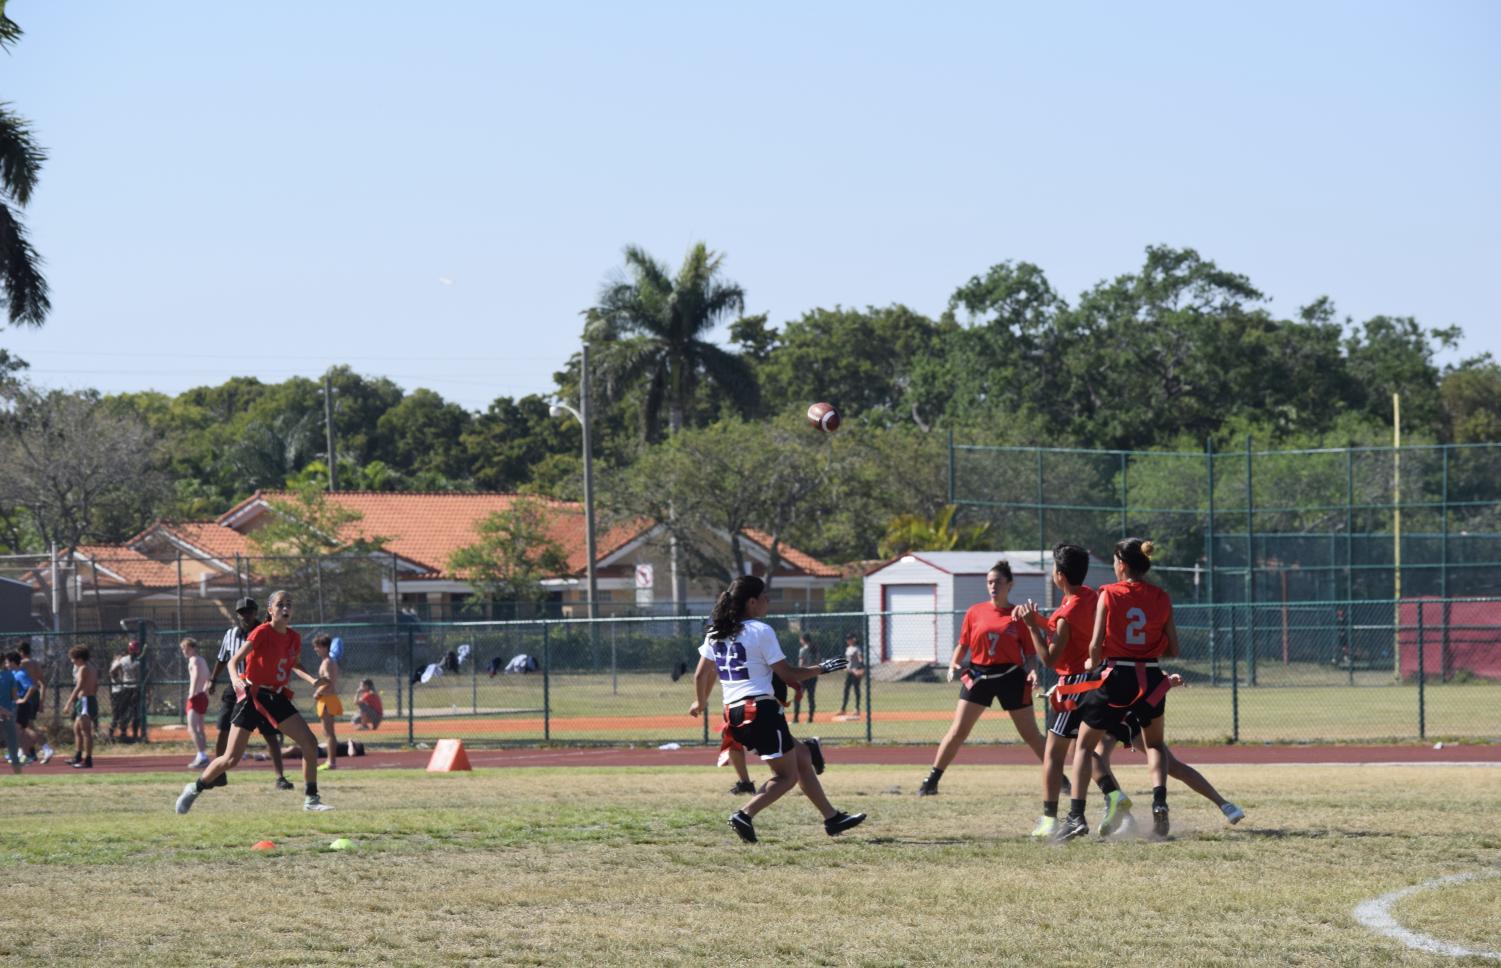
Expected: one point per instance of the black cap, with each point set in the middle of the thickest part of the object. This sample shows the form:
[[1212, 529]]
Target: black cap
[[247, 605]]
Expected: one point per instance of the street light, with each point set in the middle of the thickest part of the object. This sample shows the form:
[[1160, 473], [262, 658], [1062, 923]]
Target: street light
[[582, 416]]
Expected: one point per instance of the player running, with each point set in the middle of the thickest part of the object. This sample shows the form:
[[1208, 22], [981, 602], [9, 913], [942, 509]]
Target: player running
[[743, 653], [246, 621], [997, 644], [270, 656]]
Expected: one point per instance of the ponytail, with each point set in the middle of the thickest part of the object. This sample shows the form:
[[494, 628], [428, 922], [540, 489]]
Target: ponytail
[[1137, 554], [729, 608]]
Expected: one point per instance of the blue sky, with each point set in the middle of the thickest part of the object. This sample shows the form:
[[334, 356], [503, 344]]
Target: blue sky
[[435, 191]]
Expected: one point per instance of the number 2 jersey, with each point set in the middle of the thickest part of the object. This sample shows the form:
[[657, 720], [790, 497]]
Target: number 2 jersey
[[1136, 615], [272, 655], [744, 661]]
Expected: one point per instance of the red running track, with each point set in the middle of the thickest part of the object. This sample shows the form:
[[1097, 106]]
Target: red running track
[[856, 754]]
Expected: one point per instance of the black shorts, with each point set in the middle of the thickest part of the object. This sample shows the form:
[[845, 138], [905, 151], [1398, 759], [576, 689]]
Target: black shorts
[[1120, 706], [227, 705], [1006, 683], [1066, 723], [766, 733], [26, 711], [262, 711]]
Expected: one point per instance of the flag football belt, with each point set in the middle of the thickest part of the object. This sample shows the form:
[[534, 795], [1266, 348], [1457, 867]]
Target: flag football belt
[[1062, 697], [747, 709], [969, 678], [252, 692]]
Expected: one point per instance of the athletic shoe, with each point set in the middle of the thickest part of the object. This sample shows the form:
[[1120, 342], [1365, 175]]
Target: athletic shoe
[[186, 798], [75, 758], [1232, 813], [742, 825], [199, 761], [1159, 821], [1067, 789], [1117, 806], [328, 766], [1068, 828], [841, 821], [314, 804], [47, 754], [282, 783], [744, 786], [927, 789], [815, 752], [28, 761], [87, 764], [1045, 827]]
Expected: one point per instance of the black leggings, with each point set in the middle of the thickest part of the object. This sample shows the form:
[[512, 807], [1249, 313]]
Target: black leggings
[[851, 684], [810, 691]]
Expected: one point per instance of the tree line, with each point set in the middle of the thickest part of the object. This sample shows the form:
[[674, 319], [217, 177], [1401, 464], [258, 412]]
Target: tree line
[[707, 435]]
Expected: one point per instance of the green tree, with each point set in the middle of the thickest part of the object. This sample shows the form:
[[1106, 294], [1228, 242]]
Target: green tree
[[508, 443], [513, 553], [21, 160], [652, 332], [1471, 398], [315, 547], [423, 434], [911, 532]]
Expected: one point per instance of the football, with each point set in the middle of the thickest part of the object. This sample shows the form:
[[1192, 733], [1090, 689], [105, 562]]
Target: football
[[824, 417]]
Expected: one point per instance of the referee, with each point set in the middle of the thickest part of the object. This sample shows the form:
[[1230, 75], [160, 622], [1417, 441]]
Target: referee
[[234, 637]]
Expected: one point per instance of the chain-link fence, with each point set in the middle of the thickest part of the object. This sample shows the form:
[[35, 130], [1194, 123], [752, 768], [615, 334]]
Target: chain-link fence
[[1421, 668]]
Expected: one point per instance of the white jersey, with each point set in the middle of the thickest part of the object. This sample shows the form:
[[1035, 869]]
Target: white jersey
[[745, 661]]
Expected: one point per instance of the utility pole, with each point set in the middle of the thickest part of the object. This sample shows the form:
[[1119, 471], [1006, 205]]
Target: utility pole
[[328, 423], [588, 481]]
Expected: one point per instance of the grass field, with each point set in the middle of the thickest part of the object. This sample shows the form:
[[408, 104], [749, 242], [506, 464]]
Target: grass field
[[633, 867], [653, 708]]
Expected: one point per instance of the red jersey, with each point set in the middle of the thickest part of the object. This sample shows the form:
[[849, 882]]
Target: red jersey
[[993, 637], [272, 655], [1135, 615], [372, 699], [1079, 611]]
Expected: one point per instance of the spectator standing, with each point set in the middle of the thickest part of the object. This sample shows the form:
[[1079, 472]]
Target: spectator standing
[[854, 673], [197, 699], [125, 694], [807, 655], [84, 703]]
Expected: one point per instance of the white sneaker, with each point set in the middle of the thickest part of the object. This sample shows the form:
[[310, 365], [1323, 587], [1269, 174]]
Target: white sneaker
[[47, 753], [200, 761], [1232, 813], [189, 794], [315, 804]]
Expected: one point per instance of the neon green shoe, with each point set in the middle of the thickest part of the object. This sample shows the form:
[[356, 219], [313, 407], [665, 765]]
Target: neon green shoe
[[1045, 827], [1117, 809]]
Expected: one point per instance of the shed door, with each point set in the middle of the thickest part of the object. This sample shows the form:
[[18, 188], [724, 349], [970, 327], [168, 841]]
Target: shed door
[[909, 637]]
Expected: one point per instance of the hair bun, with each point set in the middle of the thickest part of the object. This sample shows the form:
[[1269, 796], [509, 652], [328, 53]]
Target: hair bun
[[1147, 548]]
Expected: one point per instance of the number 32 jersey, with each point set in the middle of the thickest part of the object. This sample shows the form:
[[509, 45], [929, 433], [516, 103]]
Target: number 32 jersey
[[1135, 615], [744, 662]]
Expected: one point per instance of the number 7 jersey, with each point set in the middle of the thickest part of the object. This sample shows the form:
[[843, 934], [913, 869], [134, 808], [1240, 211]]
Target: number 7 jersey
[[1136, 614], [744, 662]]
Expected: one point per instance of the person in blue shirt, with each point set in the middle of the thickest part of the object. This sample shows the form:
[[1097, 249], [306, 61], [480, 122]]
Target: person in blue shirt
[[8, 695]]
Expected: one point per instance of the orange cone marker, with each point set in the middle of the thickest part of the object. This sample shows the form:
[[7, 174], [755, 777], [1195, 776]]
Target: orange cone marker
[[263, 845], [448, 757]]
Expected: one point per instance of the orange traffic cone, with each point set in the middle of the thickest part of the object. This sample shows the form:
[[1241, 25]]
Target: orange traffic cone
[[448, 757]]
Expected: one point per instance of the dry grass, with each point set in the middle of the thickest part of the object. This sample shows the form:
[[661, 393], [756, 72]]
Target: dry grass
[[631, 867]]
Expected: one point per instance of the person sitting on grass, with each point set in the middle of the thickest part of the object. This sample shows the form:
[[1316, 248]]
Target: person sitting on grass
[[371, 709], [742, 653]]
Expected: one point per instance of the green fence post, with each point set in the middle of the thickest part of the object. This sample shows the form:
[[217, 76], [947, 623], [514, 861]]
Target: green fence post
[[1250, 570], [1234, 680], [1443, 575], [1422, 678], [1214, 662], [411, 691], [143, 704], [952, 485], [865, 651], [546, 686]]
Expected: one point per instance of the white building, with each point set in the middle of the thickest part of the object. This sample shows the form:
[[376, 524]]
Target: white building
[[927, 593]]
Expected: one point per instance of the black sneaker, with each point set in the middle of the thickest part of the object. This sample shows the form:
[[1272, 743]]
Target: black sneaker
[[87, 764], [927, 789], [815, 752], [744, 786], [841, 821], [1070, 827], [282, 783], [1159, 821], [1067, 789], [742, 825]]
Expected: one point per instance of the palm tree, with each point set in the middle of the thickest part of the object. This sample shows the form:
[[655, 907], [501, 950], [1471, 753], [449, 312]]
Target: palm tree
[[20, 160], [650, 329], [911, 532]]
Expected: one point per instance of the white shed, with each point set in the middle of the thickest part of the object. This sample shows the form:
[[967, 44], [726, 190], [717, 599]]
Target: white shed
[[917, 602]]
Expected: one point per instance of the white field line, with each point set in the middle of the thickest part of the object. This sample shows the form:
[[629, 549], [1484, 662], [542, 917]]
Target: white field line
[[1376, 915]]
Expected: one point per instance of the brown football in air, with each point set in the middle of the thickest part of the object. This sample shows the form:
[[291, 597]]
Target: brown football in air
[[824, 417]]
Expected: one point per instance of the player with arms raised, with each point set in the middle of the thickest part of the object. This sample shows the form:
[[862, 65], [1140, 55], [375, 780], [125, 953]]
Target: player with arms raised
[[742, 653]]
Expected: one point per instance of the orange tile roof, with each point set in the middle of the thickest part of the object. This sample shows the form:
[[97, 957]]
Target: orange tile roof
[[790, 555], [210, 537], [427, 528], [131, 567]]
